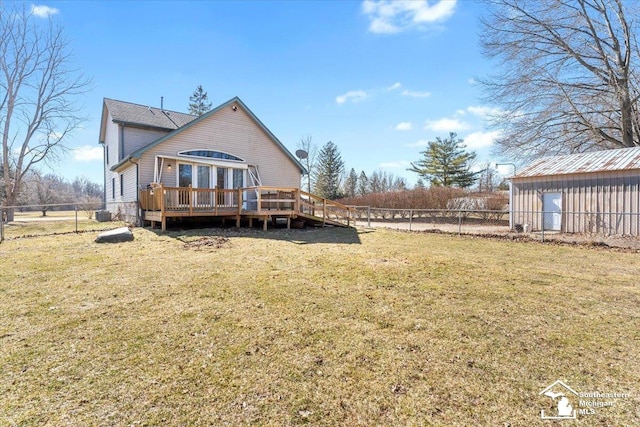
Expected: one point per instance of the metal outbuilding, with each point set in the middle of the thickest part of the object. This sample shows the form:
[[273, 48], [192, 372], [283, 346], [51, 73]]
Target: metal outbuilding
[[595, 192]]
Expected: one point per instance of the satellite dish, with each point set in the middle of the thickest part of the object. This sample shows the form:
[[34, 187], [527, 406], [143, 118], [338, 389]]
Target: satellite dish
[[301, 154]]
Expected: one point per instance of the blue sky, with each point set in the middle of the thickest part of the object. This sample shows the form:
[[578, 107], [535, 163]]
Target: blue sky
[[377, 78]]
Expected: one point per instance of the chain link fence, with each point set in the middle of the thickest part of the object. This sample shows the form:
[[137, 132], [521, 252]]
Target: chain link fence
[[52, 219], [591, 228]]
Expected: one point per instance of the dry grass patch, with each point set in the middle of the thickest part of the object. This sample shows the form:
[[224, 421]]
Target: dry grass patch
[[319, 327]]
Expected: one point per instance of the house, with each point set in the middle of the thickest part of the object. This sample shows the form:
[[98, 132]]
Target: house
[[161, 164], [595, 192]]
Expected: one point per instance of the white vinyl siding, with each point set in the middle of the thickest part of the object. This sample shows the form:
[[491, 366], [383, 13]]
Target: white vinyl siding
[[122, 196], [110, 142], [136, 138]]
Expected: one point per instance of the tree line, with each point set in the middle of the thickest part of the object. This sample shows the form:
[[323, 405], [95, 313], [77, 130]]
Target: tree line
[[444, 163], [39, 191]]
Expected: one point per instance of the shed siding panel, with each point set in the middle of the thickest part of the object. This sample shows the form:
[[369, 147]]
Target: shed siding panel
[[604, 202]]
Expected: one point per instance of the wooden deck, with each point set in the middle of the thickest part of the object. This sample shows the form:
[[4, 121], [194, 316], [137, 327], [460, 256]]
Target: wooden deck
[[252, 203]]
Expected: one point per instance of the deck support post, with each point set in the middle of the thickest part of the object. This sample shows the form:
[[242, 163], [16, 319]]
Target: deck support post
[[238, 221], [288, 222], [264, 223], [324, 211]]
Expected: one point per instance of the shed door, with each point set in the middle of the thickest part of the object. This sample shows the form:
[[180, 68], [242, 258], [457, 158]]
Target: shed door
[[552, 210]]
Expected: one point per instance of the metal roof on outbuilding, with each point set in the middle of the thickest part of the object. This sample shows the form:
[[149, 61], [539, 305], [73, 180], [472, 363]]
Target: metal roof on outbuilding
[[596, 161]]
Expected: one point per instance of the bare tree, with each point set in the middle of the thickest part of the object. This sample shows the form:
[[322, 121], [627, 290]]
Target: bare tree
[[47, 190], [567, 80], [488, 179], [310, 162], [38, 90]]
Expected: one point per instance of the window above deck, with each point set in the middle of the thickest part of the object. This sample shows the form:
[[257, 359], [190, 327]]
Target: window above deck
[[210, 154]]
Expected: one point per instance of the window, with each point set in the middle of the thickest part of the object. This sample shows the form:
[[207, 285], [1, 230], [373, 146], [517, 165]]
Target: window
[[185, 175], [121, 184], [113, 188], [222, 177], [211, 154], [238, 178]]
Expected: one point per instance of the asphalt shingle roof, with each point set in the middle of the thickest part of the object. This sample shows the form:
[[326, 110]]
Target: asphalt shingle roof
[[136, 114]]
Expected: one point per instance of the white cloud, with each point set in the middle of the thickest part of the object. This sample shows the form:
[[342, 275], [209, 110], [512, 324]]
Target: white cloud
[[360, 95], [472, 81], [87, 153], [484, 112], [352, 96], [404, 126], [400, 164], [446, 125], [481, 139], [414, 94], [393, 16], [43, 11], [420, 143]]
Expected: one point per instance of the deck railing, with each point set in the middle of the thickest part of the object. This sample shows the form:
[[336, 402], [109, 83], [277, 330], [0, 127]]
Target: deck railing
[[188, 199], [311, 204], [262, 200]]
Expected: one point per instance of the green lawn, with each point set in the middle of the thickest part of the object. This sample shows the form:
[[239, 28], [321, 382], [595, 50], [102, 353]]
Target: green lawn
[[333, 327]]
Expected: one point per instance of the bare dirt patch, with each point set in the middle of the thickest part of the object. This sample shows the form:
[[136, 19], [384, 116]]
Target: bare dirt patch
[[206, 242]]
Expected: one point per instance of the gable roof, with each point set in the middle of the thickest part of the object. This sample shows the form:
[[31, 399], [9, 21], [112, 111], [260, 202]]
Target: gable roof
[[597, 161], [128, 113], [195, 119]]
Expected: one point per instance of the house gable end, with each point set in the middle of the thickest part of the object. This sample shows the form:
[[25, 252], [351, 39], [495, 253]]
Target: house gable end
[[232, 103]]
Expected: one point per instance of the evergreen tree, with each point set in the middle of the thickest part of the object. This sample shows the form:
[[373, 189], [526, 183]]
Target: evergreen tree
[[198, 104], [329, 171], [446, 163], [419, 183], [351, 184], [363, 184]]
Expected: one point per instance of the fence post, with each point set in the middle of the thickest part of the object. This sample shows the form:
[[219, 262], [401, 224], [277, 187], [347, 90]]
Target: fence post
[[410, 218], [76, 207], [459, 222], [542, 227], [1, 224], [369, 216]]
